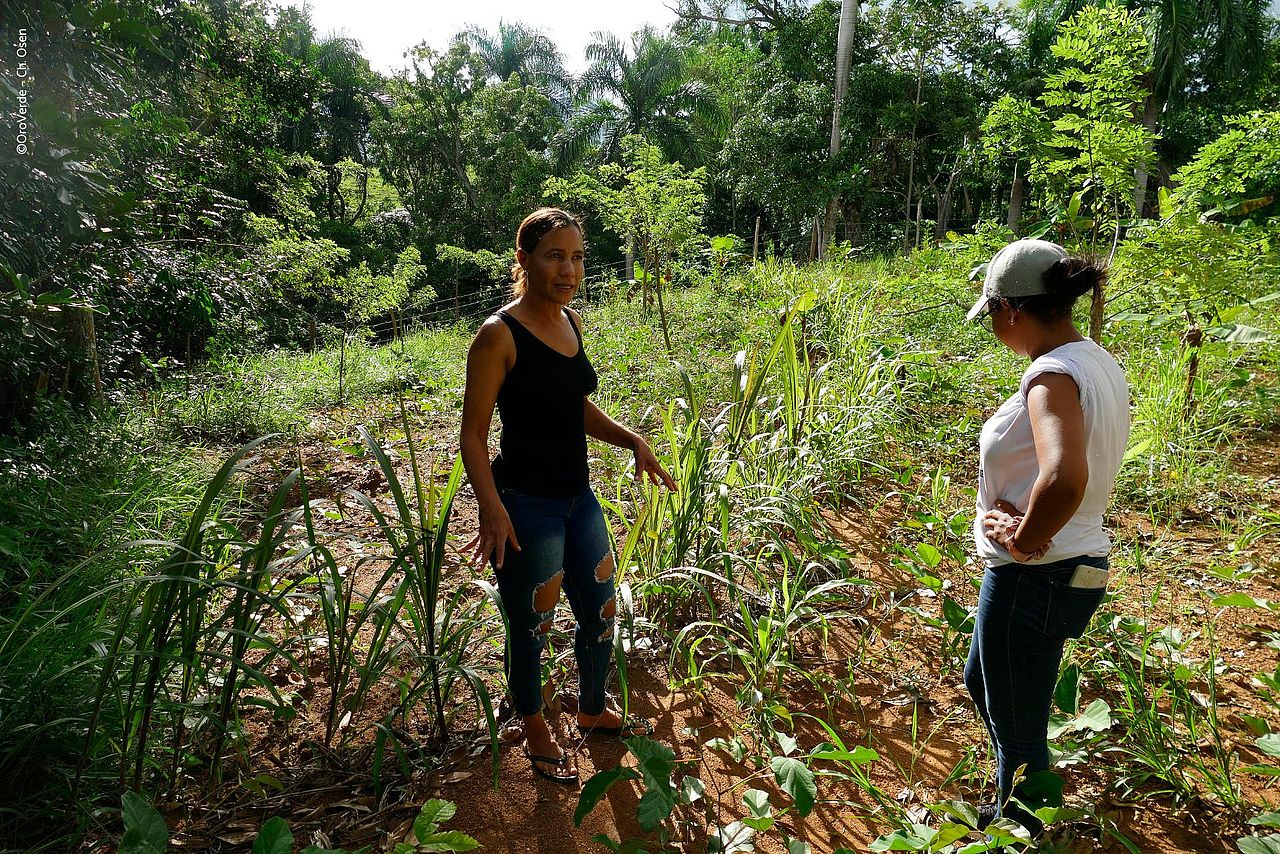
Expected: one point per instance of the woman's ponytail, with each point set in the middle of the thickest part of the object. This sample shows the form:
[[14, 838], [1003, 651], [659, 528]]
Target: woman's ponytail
[[1074, 277]]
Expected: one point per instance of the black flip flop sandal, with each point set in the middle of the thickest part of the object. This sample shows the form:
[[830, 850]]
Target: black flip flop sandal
[[567, 779], [632, 726]]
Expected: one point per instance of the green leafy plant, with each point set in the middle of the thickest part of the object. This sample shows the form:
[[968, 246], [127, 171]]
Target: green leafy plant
[[427, 833]]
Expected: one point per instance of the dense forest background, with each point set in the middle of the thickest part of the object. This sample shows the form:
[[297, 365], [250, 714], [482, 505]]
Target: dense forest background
[[206, 178]]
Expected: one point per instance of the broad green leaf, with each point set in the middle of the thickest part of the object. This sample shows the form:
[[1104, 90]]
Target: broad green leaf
[[1067, 694], [144, 829], [654, 807], [595, 789], [796, 780], [1055, 815], [275, 837], [447, 840], [760, 824], [947, 834], [731, 838], [734, 747], [799, 846], [1096, 717], [1240, 600], [650, 753], [916, 839], [804, 302], [1266, 819], [928, 555], [857, 756], [434, 813], [956, 616], [1041, 789], [1136, 451], [691, 789], [1259, 844], [962, 810], [1270, 744], [757, 802], [1259, 726], [1238, 333]]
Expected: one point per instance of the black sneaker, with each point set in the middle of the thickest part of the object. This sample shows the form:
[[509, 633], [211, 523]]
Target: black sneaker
[[987, 814]]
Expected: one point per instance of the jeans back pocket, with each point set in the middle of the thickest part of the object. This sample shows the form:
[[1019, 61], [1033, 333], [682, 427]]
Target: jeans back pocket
[[1070, 609]]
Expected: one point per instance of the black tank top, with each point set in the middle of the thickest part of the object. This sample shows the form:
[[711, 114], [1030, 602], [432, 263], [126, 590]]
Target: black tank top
[[543, 450]]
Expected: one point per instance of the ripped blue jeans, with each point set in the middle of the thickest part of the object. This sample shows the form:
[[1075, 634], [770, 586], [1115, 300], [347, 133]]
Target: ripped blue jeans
[[564, 544]]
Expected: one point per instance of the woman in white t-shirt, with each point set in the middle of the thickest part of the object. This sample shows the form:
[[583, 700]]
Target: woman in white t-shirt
[[1048, 461]]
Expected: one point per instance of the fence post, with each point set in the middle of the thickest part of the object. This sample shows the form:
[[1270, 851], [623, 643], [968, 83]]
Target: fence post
[[755, 244]]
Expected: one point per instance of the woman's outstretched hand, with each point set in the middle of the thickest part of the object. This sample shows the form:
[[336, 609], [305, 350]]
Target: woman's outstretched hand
[[647, 465], [496, 531], [1001, 524]]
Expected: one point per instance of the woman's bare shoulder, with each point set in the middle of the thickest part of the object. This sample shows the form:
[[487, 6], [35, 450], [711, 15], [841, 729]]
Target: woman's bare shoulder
[[493, 336]]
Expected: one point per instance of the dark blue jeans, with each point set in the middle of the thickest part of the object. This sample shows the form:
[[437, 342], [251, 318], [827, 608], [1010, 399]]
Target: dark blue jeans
[[1025, 613], [564, 544]]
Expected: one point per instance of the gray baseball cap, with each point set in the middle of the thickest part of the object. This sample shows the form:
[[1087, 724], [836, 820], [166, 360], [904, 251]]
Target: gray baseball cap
[[1018, 271]]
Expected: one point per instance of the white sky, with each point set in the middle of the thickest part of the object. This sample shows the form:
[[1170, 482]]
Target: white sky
[[387, 28]]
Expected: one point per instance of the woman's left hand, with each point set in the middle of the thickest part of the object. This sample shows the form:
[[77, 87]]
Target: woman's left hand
[[647, 464], [1001, 526]]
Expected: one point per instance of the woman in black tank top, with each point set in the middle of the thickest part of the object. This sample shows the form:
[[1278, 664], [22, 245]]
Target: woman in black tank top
[[540, 523]]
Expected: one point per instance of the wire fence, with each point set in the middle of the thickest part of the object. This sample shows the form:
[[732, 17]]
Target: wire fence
[[447, 311]]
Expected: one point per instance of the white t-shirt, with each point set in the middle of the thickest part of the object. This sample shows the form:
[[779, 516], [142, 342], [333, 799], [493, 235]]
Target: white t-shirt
[[1007, 453]]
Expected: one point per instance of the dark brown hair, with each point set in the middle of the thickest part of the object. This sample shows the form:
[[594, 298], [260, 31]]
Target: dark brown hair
[[536, 226], [1065, 282]]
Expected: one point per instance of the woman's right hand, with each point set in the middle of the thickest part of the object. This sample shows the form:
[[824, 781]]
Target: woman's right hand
[[496, 531]]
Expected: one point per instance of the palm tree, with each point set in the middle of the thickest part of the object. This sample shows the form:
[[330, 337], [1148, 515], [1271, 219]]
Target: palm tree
[[344, 98], [523, 51], [844, 51], [644, 90], [1227, 34]]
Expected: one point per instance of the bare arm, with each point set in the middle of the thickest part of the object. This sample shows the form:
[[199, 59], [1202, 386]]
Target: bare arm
[[601, 426], [491, 355], [1057, 426]]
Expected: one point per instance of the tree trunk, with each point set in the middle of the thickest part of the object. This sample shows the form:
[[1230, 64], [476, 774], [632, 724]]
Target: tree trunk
[[1015, 200], [83, 380], [844, 50], [755, 244], [944, 205], [1192, 338], [647, 256], [919, 216], [1150, 114], [364, 195], [662, 310], [1096, 314], [629, 268], [911, 168]]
